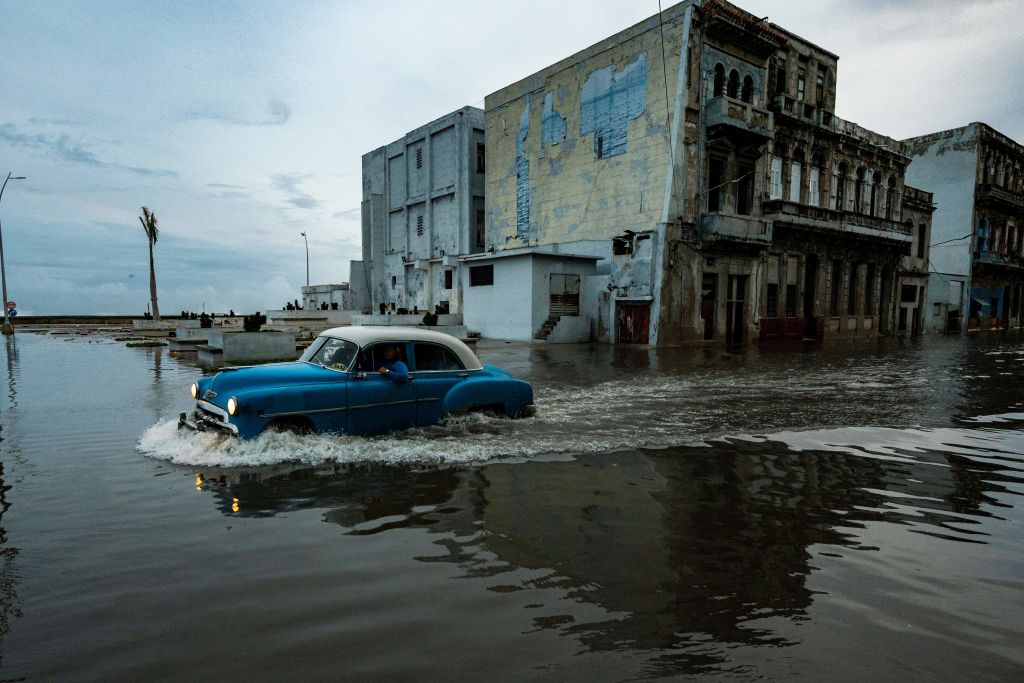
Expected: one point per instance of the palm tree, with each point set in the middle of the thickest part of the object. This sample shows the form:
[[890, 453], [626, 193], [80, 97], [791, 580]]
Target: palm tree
[[148, 220]]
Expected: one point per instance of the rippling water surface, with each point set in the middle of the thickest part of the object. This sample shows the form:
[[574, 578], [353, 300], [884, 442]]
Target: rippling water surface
[[840, 512]]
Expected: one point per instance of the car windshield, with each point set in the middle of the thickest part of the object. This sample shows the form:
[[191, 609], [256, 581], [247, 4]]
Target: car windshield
[[336, 354]]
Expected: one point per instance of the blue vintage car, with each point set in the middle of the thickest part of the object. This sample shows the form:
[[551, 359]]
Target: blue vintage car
[[335, 386]]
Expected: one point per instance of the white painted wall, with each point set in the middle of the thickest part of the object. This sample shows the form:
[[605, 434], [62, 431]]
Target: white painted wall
[[502, 310]]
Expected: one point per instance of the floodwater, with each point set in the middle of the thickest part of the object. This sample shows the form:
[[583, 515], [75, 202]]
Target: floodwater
[[842, 512]]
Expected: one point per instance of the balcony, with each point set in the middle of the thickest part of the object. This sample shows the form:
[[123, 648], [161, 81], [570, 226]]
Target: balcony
[[742, 229], [815, 115], [821, 219], [994, 194], [728, 115], [999, 260]]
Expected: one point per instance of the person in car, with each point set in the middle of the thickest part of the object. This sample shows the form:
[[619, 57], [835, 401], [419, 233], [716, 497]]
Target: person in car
[[393, 367]]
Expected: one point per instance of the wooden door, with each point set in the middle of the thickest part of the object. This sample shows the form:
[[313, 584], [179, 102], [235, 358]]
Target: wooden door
[[632, 323]]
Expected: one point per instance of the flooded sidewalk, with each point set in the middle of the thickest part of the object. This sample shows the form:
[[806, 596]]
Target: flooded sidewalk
[[843, 511]]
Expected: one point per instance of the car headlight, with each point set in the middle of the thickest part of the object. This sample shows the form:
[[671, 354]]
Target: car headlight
[[232, 405], [195, 390]]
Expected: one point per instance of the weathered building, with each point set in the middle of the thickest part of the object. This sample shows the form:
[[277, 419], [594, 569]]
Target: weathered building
[[423, 207], [977, 245], [724, 199]]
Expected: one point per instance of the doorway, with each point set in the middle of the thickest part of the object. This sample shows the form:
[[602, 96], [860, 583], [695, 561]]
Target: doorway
[[810, 293], [708, 303], [735, 309]]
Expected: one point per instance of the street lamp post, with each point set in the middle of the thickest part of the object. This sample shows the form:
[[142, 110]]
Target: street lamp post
[[8, 327], [307, 257]]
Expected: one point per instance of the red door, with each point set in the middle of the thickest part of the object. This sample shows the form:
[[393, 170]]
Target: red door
[[632, 323]]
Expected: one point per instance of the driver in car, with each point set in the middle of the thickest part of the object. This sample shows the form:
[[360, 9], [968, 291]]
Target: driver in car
[[393, 367]]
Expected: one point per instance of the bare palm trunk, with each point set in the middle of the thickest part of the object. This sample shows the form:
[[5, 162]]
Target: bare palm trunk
[[152, 284]]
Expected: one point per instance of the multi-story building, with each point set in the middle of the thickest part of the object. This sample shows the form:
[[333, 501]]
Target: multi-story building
[[687, 180], [422, 208], [977, 245]]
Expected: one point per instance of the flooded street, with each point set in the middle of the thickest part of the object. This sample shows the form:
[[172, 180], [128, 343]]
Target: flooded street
[[846, 511]]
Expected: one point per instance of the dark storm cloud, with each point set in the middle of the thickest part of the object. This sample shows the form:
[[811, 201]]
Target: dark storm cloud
[[278, 113], [65, 147]]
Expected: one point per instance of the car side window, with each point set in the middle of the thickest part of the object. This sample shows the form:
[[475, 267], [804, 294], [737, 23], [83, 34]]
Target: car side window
[[435, 357], [372, 356]]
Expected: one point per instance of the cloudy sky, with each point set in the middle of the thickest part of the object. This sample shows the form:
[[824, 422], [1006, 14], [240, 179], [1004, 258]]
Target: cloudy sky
[[241, 124]]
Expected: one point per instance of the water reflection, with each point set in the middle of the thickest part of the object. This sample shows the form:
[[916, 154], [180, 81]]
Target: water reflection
[[9, 607], [688, 552]]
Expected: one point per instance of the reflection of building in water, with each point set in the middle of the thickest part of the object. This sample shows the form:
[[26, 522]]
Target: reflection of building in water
[[8, 576], [687, 552]]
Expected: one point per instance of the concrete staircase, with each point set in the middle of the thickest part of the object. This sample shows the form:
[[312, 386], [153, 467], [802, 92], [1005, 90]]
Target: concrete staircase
[[545, 330]]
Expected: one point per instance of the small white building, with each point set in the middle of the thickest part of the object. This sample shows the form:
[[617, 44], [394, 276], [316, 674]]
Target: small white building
[[423, 207], [333, 297], [530, 293]]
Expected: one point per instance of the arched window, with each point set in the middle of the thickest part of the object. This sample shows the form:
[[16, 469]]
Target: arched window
[[841, 174], [814, 179], [719, 80], [858, 191], [876, 182], [734, 83], [796, 176], [747, 95], [890, 198]]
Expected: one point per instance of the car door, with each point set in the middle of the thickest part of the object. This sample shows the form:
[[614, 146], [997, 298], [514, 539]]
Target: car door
[[438, 370], [325, 402], [376, 403]]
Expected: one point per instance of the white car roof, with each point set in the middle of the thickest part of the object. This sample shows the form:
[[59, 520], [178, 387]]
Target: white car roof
[[367, 334]]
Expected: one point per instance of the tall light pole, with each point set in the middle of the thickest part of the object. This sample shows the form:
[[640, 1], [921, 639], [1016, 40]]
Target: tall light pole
[[8, 326], [307, 259]]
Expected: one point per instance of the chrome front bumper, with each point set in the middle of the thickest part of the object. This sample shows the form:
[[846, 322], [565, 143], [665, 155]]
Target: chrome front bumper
[[206, 417]]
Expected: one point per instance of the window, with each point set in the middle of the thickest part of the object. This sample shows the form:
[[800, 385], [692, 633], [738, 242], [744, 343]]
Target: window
[[794, 181], [372, 357], [792, 272], [716, 178], [734, 83], [922, 230], [719, 80], [435, 358], [419, 226], [780, 80], [419, 157], [448, 279], [820, 87], [336, 354], [480, 233], [851, 294], [801, 86], [394, 281], [814, 187], [772, 307], [791, 301], [479, 157], [890, 198], [837, 283], [481, 276], [841, 188], [747, 94], [776, 191], [600, 147]]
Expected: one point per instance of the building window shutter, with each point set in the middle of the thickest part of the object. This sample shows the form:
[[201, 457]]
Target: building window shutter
[[813, 189], [794, 182], [776, 178]]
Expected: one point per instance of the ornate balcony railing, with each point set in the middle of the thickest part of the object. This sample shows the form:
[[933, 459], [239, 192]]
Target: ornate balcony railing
[[740, 115]]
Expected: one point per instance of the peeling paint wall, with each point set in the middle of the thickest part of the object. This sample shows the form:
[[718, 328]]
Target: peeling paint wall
[[609, 100], [523, 177], [552, 123]]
